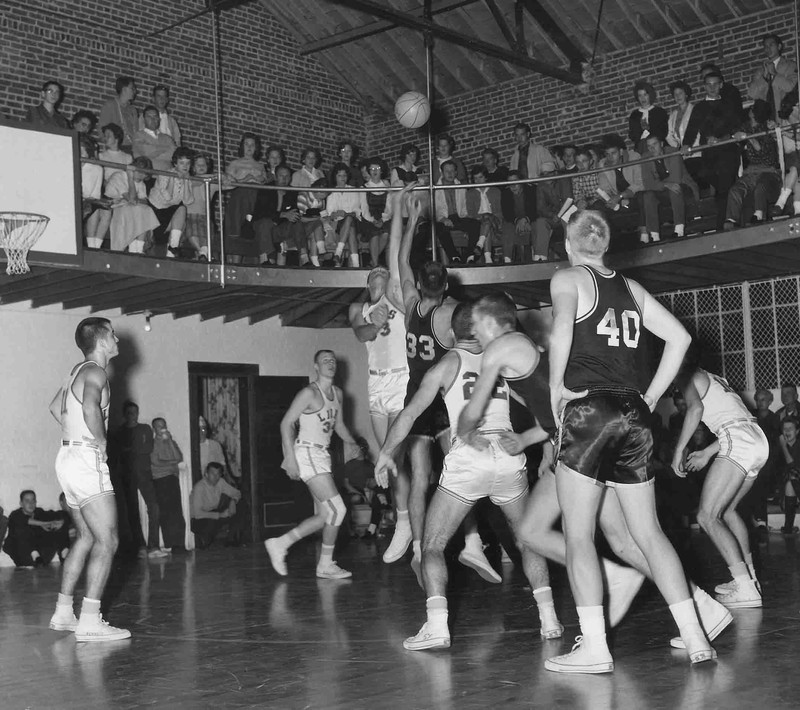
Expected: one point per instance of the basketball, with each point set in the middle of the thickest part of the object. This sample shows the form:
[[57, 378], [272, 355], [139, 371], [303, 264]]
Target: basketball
[[412, 109]]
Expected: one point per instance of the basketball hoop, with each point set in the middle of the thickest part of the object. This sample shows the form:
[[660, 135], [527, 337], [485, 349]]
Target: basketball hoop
[[19, 231]]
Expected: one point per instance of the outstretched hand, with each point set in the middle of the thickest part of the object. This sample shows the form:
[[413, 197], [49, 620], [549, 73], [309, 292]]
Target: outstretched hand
[[384, 466]]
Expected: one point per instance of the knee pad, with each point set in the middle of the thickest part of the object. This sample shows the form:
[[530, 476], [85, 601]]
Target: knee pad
[[334, 510]]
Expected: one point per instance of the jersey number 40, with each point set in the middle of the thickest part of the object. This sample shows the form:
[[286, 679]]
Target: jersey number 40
[[629, 328]]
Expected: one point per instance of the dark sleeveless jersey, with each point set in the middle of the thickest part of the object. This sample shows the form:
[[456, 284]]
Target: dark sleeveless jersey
[[423, 349], [606, 350], [534, 389]]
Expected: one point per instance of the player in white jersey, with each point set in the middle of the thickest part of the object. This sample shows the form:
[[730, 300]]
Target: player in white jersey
[[81, 408], [379, 323], [741, 449], [470, 473], [317, 409]]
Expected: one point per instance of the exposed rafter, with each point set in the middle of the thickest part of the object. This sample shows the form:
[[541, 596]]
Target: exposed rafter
[[500, 19], [546, 21]]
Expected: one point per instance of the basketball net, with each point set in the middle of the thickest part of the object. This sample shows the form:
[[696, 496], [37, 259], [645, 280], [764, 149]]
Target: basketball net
[[19, 231]]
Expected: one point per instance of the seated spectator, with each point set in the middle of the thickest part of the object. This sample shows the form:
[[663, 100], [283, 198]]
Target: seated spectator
[[775, 76], [276, 221], [132, 218], [665, 181], [247, 168], [112, 139], [528, 157], [275, 158], [166, 121], [619, 186], [361, 488], [376, 212], [678, 122], [647, 119], [518, 202], [46, 114], [36, 536], [790, 407], [494, 172], [213, 505], [584, 187], [196, 227], [770, 476], [483, 204], [547, 226], [347, 153], [151, 143], [445, 147], [311, 205], [170, 195], [309, 171], [407, 171], [164, 460], [120, 110], [761, 178], [96, 209], [84, 122], [791, 478], [451, 213], [343, 210], [788, 119], [569, 160]]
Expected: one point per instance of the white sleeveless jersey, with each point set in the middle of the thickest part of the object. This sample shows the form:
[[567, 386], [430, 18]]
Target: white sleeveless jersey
[[317, 427], [388, 350], [73, 425], [721, 405], [496, 417]]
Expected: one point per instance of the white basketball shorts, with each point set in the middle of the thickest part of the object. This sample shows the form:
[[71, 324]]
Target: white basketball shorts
[[387, 393], [82, 475], [744, 443], [312, 461]]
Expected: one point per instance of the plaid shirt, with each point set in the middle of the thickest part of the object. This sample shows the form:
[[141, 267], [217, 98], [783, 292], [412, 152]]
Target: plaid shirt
[[584, 187]]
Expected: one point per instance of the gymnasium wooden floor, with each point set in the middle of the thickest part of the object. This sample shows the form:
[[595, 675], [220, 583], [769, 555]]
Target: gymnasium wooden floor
[[218, 629]]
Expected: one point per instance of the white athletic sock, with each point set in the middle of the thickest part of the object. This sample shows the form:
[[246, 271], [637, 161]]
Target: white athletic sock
[[785, 192], [684, 614], [94, 242], [288, 539], [592, 621], [655, 236], [748, 560], [314, 260], [325, 556], [321, 247], [416, 545], [796, 206], [64, 600], [204, 252], [758, 214], [281, 259], [481, 241], [354, 260], [136, 247], [90, 607], [303, 257], [339, 249], [436, 608], [472, 541], [402, 517], [35, 555], [487, 257], [544, 601], [174, 238], [506, 259], [740, 573], [679, 230]]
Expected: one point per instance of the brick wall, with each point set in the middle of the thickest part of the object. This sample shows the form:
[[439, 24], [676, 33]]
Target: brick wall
[[268, 89], [559, 113]]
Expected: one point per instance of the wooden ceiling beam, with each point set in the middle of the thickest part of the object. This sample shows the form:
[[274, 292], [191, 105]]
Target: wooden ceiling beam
[[89, 286], [553, 30], [499, 18], [329, 312], [290, 316], [27, 289], [444, 33], [373, 28], [702, 11], [283, 304]]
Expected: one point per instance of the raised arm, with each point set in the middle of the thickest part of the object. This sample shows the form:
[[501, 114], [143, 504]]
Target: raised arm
[[691, 420], [301, 402], [94, 383], [406, 274], [394, 289], [366, 331]]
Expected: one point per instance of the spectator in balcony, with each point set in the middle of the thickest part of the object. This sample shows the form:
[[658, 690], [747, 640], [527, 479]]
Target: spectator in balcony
[[376, 211], [196, 228], [451, 213], [120, 110], [408, 170], [712, 121], [166, 121], [728, 93], [309, 171], [547, 226], [213, 505], [665, 181], [761, 178], [311, 205], [169, 197], [164, 461], [343, 210], [132, 218], [494, 171], [518, 204], [484, 204], [647, 119], [151, 143], [570, 167], [791, 490], [276, 221], [96, 209], [46, 114], [84, 122], [275, 158], [247, 168], [528, 157], [112, 139], [678, 123], [584, 186], [790, 407], [35, 536], [775, 77], [620, 185], [347, 153], [788, 119], [445, 147]]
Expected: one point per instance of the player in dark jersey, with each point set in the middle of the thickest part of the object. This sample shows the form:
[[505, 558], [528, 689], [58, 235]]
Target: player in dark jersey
[[428, 338], [598, 316]]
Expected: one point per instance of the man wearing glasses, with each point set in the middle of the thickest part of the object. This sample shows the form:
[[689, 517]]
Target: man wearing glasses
[[46, 113]]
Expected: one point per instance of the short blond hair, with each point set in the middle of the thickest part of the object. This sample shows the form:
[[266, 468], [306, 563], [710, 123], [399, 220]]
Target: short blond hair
[[588, 233]]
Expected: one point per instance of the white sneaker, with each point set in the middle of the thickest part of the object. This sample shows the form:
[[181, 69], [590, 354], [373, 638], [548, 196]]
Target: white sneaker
[[277, 555], [95, 628], [624, 584], [581, 660], [430, 636], [63, 619], [744, 596], [333, 571], [157, 553], [714, 618], [399, 544], [725, 587], [477, 560], [552, 628], [697, 645], [416, 568]]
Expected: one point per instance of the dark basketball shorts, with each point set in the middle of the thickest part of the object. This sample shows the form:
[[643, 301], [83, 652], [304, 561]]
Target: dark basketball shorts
[[434, 420], [606, 437]]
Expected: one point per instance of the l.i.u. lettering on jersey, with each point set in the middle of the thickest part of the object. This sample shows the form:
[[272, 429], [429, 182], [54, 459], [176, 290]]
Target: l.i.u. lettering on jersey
[[327, 418]]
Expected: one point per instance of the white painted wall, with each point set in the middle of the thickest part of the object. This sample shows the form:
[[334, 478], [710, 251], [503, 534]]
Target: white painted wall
[[37, 350]]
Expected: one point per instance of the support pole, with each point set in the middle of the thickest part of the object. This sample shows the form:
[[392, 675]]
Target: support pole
[[209, 219], [429, 77], [218, 108]]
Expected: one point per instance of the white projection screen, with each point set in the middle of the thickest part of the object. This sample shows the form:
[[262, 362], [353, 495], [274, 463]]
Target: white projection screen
[[40, 173]]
